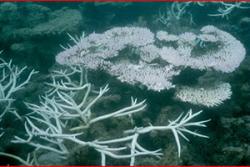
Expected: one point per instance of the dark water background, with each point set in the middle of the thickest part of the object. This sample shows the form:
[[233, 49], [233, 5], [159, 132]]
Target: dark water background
[[229, 142]]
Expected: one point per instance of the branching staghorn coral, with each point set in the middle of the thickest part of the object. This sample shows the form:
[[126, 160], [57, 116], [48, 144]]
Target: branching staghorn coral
[[11, 82], [60, 118], [28, 161], [226, 8], [177, 11], [138, 56]]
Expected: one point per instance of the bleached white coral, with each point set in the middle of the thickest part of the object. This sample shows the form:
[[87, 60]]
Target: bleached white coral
[[165, 36], [138, 56], [207, 38], [169, 54], [225, 57], [106, 45], [230, 54], [11, 82], [187, 37], [148, 53], [57, 125], [97, 51], [153, 77], [208, 96]]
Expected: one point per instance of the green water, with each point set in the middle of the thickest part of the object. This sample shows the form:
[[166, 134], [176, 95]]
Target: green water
[[31, 34]]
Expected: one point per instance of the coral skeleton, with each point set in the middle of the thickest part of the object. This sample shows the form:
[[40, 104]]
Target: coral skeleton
[[209, 96], [178, 10], [227, 8], [74, 119], [60, 118], [137, 56], [225, 58], [28, 161], [11, 82]]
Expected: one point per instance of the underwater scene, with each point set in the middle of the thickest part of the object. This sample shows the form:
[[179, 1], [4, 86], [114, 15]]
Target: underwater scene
[[135, 83]]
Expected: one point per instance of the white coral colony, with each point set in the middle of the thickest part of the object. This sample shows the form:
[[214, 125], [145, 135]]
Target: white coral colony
[[208, 96], [211, 49], [226, 57]]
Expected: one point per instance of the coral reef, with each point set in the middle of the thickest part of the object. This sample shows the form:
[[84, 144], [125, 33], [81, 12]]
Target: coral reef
[[10, 83], [212, 96], [234, 142], [58, 117], [132, 55], [22, 25], [59, 124]]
